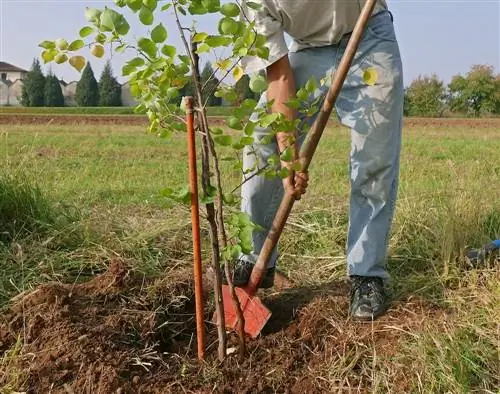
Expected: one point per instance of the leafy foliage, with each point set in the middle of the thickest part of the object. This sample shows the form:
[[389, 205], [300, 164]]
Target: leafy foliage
[[426, 97], [87, 89], [478, 93], [34, 86], [53, 92], [109, 89]]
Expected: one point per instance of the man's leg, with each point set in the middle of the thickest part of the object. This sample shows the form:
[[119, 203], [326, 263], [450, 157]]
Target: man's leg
[[371, 104], [261, 196]]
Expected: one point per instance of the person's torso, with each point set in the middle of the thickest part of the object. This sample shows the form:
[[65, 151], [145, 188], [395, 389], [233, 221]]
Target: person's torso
[[318, 22]]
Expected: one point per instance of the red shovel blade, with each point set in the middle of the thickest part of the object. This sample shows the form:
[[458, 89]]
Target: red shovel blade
[[255, 312]]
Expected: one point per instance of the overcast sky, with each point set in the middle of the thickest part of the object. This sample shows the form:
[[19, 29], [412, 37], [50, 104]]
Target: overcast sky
[[444, 37]]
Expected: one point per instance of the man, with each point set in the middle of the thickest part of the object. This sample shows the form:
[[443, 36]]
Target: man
[[371, 107]]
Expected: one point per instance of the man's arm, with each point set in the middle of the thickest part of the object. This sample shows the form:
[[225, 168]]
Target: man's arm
[[281, 89]]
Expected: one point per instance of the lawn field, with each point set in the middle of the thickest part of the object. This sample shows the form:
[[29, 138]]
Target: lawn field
[[95, 288]]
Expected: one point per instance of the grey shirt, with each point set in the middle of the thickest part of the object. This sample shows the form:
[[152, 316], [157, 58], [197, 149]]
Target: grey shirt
[[310, 23]]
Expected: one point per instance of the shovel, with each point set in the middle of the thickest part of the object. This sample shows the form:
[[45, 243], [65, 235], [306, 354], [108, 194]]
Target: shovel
[[255, 313]]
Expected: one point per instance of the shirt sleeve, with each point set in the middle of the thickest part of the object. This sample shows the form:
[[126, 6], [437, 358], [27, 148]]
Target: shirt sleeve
[[268, 24]]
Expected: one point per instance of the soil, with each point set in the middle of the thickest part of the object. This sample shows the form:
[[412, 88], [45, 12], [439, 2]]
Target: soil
[[121, 333], [41, 119]]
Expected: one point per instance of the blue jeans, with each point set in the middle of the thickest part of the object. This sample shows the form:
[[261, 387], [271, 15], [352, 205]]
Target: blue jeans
[[374, 114]]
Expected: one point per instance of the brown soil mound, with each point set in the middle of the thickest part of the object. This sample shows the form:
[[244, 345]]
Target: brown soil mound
[[119, 334]]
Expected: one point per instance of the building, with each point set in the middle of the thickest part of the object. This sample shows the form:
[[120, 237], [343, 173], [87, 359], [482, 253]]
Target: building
[[11, 87], [11, 73]]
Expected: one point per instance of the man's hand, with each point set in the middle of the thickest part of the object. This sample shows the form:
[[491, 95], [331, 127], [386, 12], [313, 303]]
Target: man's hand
[[281, 89], [296, 182]]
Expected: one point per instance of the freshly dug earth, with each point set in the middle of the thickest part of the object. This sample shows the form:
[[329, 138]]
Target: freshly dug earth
[[120, 333]]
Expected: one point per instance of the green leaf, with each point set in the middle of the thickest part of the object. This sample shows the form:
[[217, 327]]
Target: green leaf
[[49, 55], [92, 14], [100, 38], [151, 4], [121, 48], [86, 31], [287, 154], [234, 123], [216, 131], [181, 10], [146, 16], [159, 33], [217, 41], [168, 50], [185, 59], [136, 62], [166, 7], [148, 46], [198, 37], [47, 44], [249, 128], [211, 5], [311, 85], [78, 62], [223, 140], [230, 9], [203, 48], [266, 120], [235, 252], [134, 5], [76, 45], [196, 8], [253, 5], [258, 84]]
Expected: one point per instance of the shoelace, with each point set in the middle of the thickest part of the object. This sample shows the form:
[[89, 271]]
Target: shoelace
[[365, 285]]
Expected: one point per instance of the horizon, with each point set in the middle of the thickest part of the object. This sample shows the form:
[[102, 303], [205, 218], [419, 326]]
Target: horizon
[[453, 49]]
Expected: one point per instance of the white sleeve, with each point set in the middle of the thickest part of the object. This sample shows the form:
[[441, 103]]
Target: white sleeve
[[269, 26]]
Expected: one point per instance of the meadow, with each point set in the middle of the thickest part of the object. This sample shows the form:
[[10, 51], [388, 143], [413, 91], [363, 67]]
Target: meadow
[[81, 205]]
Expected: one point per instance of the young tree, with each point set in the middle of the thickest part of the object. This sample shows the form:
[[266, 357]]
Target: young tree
[[33, 86], [157, 74], [426, 97], [210, 83], [477, 93], [87, 89], [53, 93], [110, 91]]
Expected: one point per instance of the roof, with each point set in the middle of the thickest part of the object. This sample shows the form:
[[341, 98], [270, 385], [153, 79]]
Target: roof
[[9, 67]]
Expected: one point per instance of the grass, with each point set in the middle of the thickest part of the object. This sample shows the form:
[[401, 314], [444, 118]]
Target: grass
[[75, 196]]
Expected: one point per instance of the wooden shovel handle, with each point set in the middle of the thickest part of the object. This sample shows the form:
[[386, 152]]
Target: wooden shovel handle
[[307, 152]]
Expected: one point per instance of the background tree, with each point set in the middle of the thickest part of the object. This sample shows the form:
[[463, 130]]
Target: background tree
[[243, 91], [34, 86], [209, 82], [87, 89], [53, 93], [425, 97], [110, 92], [477, 93]]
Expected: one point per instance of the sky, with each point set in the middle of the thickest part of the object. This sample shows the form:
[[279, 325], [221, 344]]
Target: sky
[[445, 37]]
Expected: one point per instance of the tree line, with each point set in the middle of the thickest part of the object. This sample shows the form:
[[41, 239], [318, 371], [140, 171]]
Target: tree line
[[40, 90], [475, 94]]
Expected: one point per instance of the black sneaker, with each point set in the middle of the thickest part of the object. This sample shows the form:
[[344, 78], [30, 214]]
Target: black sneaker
[[368, 298], [241, 275]]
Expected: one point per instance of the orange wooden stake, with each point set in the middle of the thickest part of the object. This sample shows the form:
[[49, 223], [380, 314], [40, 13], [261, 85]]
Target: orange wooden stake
[[195, 223]]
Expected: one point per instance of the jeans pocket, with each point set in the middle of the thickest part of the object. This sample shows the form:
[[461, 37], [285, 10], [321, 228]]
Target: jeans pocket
[[381, 27]]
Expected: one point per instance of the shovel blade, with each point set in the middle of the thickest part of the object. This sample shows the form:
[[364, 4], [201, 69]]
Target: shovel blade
[[255, 312]]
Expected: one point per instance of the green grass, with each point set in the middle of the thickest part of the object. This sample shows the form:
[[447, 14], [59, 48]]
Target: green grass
[[110, 177], [212, 111]]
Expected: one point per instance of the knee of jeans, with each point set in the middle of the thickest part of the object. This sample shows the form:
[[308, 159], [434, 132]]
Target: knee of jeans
[[372, 181]]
